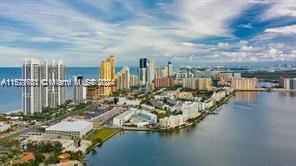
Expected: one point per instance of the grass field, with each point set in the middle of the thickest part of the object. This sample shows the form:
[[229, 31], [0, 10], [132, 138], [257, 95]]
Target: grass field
[[102, 134]]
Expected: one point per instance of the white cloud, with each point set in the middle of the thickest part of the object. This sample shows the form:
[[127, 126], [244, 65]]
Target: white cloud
[[247, 48], [287, 30], [145, 33], [281, 8], [223, 45]]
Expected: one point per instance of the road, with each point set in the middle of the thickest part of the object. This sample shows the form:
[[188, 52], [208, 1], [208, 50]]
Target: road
[[52, 121]]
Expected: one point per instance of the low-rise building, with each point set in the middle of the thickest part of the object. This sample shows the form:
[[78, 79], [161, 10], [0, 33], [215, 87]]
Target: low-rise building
[[137, 117], [4, 127], [148, 115], [70, 128], [209, 103], [217, 96], [122, 118], [190, 110], [147, 107], [171, 121], [125, 101]]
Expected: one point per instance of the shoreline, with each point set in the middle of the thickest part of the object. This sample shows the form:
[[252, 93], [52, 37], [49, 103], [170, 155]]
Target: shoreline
[[104, 140], [194, 122], [11, 112], [8, 112]]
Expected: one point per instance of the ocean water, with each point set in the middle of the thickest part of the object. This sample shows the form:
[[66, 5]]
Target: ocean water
[[253, 129], [10, 97]]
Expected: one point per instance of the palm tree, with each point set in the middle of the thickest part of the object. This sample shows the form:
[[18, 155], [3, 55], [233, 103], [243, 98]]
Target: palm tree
[[93, 153]]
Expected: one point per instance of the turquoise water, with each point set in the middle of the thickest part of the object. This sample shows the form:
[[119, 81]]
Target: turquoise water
[[10, 97], [252, 129]]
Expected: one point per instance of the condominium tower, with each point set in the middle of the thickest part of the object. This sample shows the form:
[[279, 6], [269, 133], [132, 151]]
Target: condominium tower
[[107, 69], [146, 71], [123, 79], [143, 71], [49, 94], [78, 89]]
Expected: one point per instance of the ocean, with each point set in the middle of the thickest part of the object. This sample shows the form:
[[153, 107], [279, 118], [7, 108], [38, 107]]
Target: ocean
[[10, 97]]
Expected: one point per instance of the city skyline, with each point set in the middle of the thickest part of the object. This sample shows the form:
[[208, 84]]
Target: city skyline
[[184, 32]]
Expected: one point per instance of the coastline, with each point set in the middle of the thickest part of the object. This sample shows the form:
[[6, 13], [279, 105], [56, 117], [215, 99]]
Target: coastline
[[11, 112]]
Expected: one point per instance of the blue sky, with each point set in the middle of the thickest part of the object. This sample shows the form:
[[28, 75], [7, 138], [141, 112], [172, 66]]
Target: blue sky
[[84, 32]]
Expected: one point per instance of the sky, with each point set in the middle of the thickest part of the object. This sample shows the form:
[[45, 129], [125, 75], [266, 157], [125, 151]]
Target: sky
[[186, 32]]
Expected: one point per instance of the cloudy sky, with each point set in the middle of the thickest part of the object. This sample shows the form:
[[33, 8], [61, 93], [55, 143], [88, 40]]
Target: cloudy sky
[[84, 32]]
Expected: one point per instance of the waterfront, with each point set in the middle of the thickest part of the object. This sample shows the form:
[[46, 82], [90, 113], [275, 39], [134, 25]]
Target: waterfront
[[11, 96], [254, 128]]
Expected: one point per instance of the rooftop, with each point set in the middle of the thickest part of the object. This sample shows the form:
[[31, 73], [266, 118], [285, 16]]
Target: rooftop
[[70, 126]]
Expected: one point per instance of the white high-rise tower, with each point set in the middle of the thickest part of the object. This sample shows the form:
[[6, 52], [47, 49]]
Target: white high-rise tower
[[31, 95]]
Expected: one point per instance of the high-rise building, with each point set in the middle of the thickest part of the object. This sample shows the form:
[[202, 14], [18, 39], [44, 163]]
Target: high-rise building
[[165, 72], [244, 83], [198, 83], [134, 81], [150, 70], [111, 59], [170, 69], [56, 93], [123, 79], [287, 83], [78, 89], [105, 70], [158, 72], [204, 84], [31, 95], [143, 71], [164, 82], [107, 81], [34, 98]]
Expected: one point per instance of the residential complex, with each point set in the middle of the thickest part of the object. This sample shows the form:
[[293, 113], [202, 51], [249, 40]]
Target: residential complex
[[225, 77], [134, 81], [172, 121], [143, 71], [198, 83], [107, 80], [78, 89], [244, 83], [164, 82], [287, 83], [50, 93], [150, 70], [139, 118], [190, 110], [123, 79]]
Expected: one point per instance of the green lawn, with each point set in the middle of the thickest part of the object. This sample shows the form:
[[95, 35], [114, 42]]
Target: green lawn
[[102, 134]]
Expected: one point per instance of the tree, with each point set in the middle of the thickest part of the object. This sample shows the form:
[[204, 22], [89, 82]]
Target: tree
[[52, 159], [39, 157]]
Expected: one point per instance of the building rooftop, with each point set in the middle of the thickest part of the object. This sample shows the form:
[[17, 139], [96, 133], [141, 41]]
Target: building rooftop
[[130, 111], [69, 126], [27, 156]]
